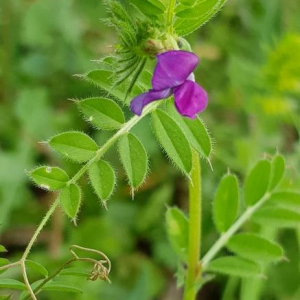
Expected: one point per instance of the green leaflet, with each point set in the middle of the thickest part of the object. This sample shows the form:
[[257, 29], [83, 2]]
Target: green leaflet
[[103, 113], [2, 249], [70, 199], [75, 272], [37, 267], [61, 287], [75, 145], [12, 284], [257, 182], [49, 178], [102, 177], [134, 159], [234, 266], [254, 247], [286, 199], [158, 4], [178, 231], [226, 203], [277, 171], [277, 217], [192, 18], [172, 139], [188, 2], [3, 262], [104, 79], [195, 131], [144, 80], [149, 7]]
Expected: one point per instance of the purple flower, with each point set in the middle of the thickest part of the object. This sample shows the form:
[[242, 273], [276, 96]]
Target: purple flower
[[173, 74]]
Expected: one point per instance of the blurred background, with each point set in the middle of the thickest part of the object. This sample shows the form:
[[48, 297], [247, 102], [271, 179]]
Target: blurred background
[[250, 66]]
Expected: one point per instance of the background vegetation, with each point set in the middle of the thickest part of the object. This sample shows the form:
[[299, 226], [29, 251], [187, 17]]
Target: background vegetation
[[250, 66]]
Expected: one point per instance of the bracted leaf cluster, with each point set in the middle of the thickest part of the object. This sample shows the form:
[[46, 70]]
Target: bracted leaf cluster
[[129, 56], [264, 204]]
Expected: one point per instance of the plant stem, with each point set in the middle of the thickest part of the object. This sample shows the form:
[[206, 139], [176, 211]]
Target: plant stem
[[39, 229], [170, 16], [46, 280], [194, 246], [10, 266], [26, 281], [101, 151], [222, 241]]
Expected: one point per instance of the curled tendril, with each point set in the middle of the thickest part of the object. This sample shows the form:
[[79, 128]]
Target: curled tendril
[[101, 267]]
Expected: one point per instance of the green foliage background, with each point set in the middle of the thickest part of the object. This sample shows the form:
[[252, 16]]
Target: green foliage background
[[250, 66]]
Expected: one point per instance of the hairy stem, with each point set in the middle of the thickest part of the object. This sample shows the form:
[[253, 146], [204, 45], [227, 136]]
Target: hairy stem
[[222, 241], [9, 266], [102, 150], [194, 247], [39, 229], [26, 281], [46, 280]]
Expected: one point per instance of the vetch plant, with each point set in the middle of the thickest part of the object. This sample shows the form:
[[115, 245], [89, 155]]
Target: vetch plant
[[125, 77]]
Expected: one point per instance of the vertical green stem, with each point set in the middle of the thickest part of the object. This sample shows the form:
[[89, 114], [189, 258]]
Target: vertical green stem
[[195, 207], [170, 16]]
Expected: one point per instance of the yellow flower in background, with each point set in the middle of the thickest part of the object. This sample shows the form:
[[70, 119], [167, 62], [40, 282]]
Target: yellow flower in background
[[283, 66], [275, 106]]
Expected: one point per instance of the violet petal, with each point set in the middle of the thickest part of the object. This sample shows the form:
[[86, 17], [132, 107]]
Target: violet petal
[[139, 102], [190, 99], [173, 68]]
